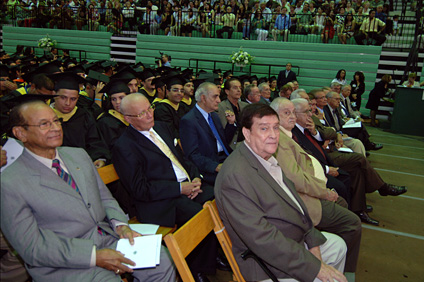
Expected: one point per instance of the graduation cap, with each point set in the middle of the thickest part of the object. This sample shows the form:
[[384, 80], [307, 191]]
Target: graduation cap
[[253, 78], [173, 80], [4, 70], [243, 79], [27, 98], [94, 67], [94, 77], [147, 73], [67, 80], [70, 62], [227, 73], [126, 73], [158, 82], [116, 86], [49, 68], [272, 78], [77, 69], [107, 64], [121, 66], [29, 68], [139, 65], [262, 80], [217, 71]]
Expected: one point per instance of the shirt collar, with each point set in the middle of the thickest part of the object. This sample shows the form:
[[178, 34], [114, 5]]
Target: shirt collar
[[300, 128], [267, 164]]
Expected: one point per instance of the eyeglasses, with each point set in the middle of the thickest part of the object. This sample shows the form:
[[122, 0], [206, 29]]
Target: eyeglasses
[[304, 112], [177, 90], [46, 124], [143, 113], [320, 98]]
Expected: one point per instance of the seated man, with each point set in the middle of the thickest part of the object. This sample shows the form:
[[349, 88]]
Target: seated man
[[68, 222], [229, 109], [252, 94], [229, 20], [282, 25], [309, 180], [364, 177], [166, 187], [265, 93], [79, 127], [203, 138], [370, 29], [262, 211]]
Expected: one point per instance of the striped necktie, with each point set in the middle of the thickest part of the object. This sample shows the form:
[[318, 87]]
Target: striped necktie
[[64, 175]]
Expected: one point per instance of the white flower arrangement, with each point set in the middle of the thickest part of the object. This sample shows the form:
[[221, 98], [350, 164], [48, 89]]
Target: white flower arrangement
[[47, 43], [241, 57]]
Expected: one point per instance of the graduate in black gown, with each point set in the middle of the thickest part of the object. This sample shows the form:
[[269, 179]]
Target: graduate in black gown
[[112, 123], [79, 127]]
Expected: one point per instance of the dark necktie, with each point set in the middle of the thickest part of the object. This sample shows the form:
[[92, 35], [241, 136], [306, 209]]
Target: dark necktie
[[215, 132], [314, 142], [345, 103], [64, 175]]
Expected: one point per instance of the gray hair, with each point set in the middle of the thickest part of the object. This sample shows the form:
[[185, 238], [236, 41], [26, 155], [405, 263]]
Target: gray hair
[[296, 94], [346, 86], [278, 103], [331, 94], [262, 85], [203, 90], [248, 90], [334, 84], [299, 102]]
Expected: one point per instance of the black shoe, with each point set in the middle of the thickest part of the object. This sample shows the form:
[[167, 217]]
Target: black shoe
[[369, 208], [222, 264], [365, 218], [392, 190], [367, 154], [375, 147], [200, 277]]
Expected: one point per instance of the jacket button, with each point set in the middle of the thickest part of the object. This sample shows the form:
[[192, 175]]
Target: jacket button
[[88, 205]]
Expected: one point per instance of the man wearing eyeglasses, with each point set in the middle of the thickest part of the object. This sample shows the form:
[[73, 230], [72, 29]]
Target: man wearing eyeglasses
[[171, 110], [167, 188], [57, 213]]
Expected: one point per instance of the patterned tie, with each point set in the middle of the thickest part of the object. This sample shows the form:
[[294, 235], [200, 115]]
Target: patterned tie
[[336, 120], [165, 149], [64, 175], [215, 132], [314, 142]]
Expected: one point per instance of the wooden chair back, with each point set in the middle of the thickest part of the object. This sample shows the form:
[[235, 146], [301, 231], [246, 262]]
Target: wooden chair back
[[225, 241], [184, 240], [108, 174]]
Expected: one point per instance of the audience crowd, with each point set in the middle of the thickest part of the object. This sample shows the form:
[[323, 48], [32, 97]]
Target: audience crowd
[[367, 21], [172, 136]]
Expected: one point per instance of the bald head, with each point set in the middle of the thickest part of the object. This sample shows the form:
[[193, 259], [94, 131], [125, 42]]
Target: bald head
[[137, 111], [130, 99]]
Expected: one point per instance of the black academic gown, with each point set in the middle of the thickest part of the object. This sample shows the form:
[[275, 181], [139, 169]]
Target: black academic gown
[[111, 128], [166, 113], [81, 131]]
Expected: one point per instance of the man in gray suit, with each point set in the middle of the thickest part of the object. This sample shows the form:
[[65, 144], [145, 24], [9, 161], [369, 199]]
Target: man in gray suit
[[56, 211], [262, 212]]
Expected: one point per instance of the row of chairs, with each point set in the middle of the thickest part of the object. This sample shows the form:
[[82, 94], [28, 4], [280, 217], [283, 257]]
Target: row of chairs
[[183, 241]]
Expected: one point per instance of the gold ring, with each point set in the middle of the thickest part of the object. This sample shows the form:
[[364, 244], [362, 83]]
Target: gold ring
[[117, 271]]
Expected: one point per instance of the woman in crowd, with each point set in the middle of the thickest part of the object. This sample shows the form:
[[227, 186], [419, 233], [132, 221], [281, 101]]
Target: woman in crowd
[[328, 31], [258, 25], [358, 88], [376, 94], [167, 17], [348, 28], [188, 23], [340, 77], [318, 22], [203, 23], [411, 81]]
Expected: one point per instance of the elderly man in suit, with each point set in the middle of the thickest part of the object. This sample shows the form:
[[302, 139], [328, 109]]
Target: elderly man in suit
[[364, 177], [286, 76], [56, 211], [262, 211], [229, 110], [167, 188], [309, 180], [203, 138]]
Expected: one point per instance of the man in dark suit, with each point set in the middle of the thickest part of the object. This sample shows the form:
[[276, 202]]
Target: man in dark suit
[[166, 187], [364, 178], [56, 211], [286, 76], [262, 211], [334, 117], [203, 138]]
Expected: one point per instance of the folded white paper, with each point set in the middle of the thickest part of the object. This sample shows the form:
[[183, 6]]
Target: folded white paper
[[352, 124], [345, 150], [145, 229], [145, 252]]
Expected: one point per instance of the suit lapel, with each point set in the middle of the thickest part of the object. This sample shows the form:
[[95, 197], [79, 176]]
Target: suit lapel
[[75, 171], [203, 124], [46, 177], [265, 175], [143, 141]]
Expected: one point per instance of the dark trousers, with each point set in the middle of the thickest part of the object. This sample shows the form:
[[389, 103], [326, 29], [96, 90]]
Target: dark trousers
[[341, 184], [227, 29], [364, 177], [379, 38], [337, 219]]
